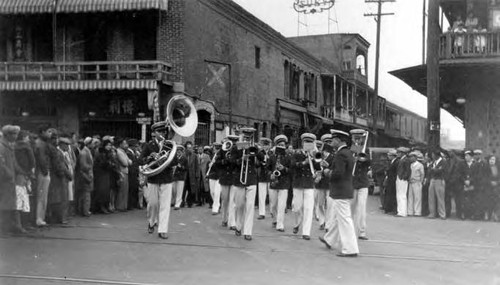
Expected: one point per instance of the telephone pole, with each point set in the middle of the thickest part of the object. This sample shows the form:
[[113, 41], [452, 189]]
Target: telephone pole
[[378, 19], [433, 106]]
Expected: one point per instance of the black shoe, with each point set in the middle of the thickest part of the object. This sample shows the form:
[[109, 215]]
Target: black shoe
[[363, 238], [274, 224], [295, 230], [176, 208], [261, 217], [163, 235], [322, 227], [215, 213], [247, 237], [280, 230], [322, 239], [233, 228], [151, 229], [347, 254], [224, 224], [183, 204], [237, 233], [306, 237]]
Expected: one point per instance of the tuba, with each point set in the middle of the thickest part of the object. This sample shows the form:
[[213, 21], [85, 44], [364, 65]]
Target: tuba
[[183, 120]]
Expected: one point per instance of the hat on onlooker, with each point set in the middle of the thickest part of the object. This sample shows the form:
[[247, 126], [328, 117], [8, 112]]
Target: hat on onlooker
[[87, 140], [64, 140], [159, 126], [403, 149], [247, 131], [468, 151], [413, 153], [326, 137], [280, 138], [478, 151], [392, 152], [216, 144], [420, 156], [118, 141], [11, 129], [180, 147], [233, 138], [207, 148], [265, 141], [308, 137], [133, 142]]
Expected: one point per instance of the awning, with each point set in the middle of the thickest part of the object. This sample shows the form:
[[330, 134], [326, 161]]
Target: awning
[[79, 85], [26, 6], [78, 6], [84, 6]]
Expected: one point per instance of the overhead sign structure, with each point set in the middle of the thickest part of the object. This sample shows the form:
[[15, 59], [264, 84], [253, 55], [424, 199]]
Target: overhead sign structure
[[312, 6]]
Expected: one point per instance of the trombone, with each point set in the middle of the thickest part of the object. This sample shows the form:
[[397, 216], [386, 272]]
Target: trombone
[[359, 133], [252, 151]]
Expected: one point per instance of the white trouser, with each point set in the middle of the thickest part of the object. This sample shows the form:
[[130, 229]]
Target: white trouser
[[42, 190], [320, 207], [159, 199], [359, 211], [415, 199], [177, 189], [263, 188], [227, 196], [401, 192], [215, 193], [245, 201], [273, 203], [329, 212], [282, 196], [341, 235], [303, 207]]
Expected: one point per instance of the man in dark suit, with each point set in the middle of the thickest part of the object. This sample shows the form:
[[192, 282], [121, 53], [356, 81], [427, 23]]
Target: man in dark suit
[[341, 235], [436, 186], [390, 181]]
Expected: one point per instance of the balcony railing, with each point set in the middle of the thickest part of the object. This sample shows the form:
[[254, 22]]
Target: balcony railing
[[81, 71], [354, 74], [463, 45]]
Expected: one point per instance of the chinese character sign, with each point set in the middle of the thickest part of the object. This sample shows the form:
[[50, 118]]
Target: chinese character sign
[[121, 107]]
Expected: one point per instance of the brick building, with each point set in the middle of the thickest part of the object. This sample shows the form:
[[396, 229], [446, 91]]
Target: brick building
[[98, 69]]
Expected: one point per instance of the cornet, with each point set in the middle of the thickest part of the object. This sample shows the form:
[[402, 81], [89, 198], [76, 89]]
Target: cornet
[[183, 120]]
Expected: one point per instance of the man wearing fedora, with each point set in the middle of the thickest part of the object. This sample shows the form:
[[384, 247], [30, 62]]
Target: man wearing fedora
[[404, 172], [303, 186], [390, 202], [341, 235], [160, 185]]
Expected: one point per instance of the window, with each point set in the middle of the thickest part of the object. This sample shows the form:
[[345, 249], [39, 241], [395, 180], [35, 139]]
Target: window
[[257, 57], [286, 70], [256, 134], [264, 129], [346, 65]]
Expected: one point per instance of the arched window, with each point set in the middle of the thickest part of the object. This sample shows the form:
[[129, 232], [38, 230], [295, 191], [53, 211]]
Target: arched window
[[361, 63]]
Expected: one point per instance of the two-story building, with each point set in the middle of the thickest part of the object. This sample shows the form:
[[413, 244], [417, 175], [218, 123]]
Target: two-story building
[[469, 69]]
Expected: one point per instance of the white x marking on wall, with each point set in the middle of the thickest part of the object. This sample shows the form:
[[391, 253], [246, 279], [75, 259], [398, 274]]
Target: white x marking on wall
[[217, 75]]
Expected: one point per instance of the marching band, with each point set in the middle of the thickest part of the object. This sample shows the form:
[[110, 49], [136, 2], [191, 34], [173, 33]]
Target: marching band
[[320, 174]]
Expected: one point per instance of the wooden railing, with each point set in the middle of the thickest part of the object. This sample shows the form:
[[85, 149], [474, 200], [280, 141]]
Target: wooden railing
[[354, 74], [71, 71], [460, 45]]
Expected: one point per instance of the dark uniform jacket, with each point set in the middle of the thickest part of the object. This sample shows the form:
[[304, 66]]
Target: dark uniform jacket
[[264, 172], [360, 179], [404, 168], [214, 170], [324, 183], [283, 181], [302, 176], [180, 172], [237, 160], [341, 174], [164, 177], [225, 168]]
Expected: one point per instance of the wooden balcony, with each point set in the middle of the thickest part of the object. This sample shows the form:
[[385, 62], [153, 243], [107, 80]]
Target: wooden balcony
[[469, 45], [333, 113], [354, 75], [96, 75]]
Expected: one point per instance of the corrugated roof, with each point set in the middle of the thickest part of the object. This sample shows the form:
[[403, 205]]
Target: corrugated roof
[[26, 6]]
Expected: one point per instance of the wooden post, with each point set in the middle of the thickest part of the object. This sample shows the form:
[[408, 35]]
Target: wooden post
[[433, 106]]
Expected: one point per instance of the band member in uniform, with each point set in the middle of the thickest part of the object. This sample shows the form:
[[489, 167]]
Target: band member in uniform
[[341, 235], [321, 183], [360, 196], [160, 185], [225, 181], [280, 163], [179, 177], [213, 177], [245, 183], [303, 186], [264, 175]]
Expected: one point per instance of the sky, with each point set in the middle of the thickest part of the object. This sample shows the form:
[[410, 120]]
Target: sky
[[400, 45]]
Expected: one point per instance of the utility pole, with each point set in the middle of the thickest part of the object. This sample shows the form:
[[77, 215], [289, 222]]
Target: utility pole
[[433, 106], [378, 19], [423, 31]]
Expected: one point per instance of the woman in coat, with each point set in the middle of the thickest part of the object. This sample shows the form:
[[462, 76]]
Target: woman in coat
[[60, 176], [84, 179], [492, 190], [104, 167]]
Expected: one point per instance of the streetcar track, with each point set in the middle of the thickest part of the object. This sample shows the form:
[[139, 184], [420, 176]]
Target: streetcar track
[[71, 279], [269, 250]]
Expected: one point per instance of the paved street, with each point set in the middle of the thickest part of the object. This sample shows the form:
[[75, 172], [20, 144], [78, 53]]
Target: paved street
[[116, 249]]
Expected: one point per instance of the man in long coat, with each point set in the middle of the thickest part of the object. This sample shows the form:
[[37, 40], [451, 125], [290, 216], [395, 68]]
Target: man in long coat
[[84, 179], [390, 187], [193, 177]]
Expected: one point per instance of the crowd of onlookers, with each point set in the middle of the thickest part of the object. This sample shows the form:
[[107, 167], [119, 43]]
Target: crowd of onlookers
[[57, 175], [425, 185], [468, 44]]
